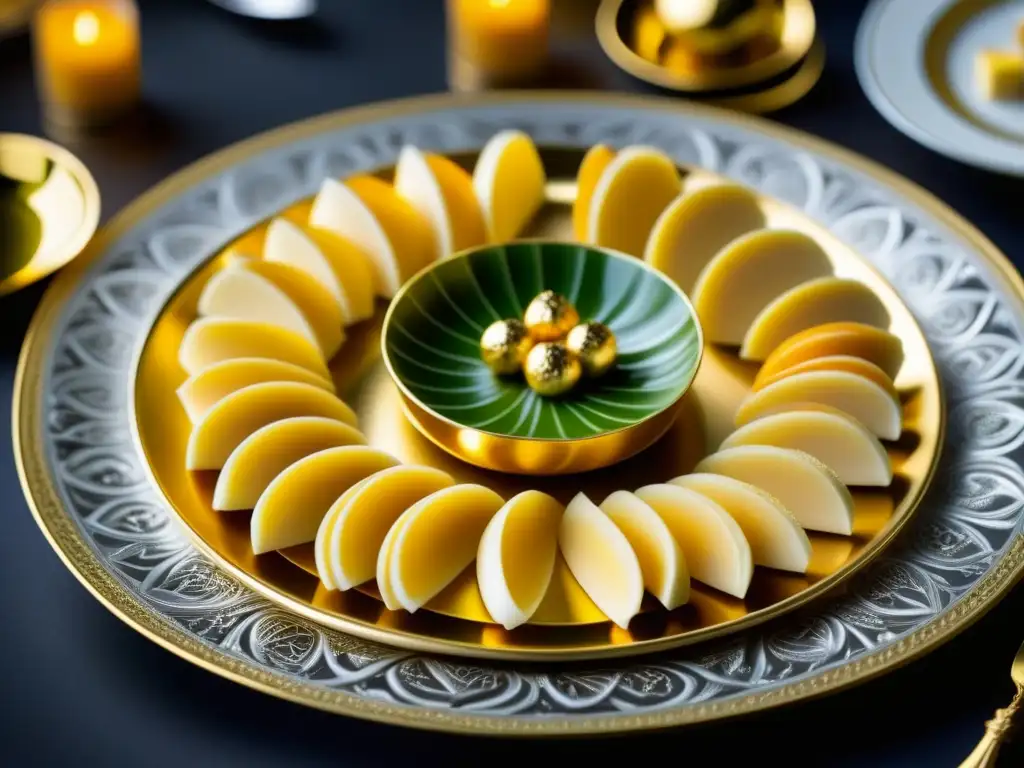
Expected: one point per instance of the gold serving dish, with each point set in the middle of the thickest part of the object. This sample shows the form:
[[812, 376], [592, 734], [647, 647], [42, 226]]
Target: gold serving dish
[[567, 625]]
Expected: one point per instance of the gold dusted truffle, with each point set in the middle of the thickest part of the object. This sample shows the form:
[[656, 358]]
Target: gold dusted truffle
[[551, 369], [550, 316], [504, 345], [594, 344]]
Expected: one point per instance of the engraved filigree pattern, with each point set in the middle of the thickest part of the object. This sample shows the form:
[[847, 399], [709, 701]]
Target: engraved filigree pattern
[[968, 528]]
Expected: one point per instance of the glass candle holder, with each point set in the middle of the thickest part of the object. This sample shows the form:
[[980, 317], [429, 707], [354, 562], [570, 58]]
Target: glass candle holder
[[88, 60], [504, 41]]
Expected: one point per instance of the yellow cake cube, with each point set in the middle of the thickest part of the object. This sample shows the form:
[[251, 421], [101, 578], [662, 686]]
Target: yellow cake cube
[[1000, 75]]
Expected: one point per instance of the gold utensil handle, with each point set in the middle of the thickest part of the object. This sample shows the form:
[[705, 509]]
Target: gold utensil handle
[[987, 751]]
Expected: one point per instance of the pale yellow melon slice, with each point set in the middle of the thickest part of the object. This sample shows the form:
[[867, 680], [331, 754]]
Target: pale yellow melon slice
[[516, 557], [199, 392], [840, 442], [410, 234], [717, 553], [509, 182], [847, 363], [807, 488], [343, 271], [387, 594], [661, 559], [748, 275], [268, 451], [851, 393], [880, 347], [600, 557], [243, 295], [776, 539], [323, 535], [211, 340], [352, 534], [814, 303], [437, 538], [598, 158], [291, 508], [696, 226], [241, 413], [443, 194], [629, 197], [313, 299]]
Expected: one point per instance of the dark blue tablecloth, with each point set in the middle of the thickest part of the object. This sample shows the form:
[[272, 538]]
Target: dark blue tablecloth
[[79, 687]]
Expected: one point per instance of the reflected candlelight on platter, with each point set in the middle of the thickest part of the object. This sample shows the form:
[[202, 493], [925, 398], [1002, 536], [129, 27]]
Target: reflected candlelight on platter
[[87, 60], [505, 40]]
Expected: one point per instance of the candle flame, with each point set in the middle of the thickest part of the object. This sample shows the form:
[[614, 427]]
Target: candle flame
[[86, 28], [499, 3]]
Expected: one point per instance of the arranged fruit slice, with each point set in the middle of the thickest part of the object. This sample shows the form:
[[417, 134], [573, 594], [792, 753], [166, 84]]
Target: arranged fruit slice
[[749, 274], [661, 559], [268, 451], [241, 413], [717, 553], [598, 158], [443, 194], [850, 393], [600, 557], [291, 508], [367, 212], [211, 340], [387, 594], [509, 182], [648, 34], [814, 303], [516, 557], [842, 443], [199, 392], [436, 539], [880, 347], [631, 193], [807, 488], [847, 363], [775, 537], [339, 267], [696, 226], [353, 531]]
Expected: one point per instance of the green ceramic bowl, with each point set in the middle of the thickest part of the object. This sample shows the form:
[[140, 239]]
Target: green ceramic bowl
[[431, 347]]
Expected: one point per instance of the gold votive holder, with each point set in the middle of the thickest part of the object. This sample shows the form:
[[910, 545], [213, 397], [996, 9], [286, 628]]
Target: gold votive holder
[[498, 43]]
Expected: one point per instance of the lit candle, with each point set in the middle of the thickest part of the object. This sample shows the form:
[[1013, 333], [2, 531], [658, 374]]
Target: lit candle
[[87, 59], [503, 39]]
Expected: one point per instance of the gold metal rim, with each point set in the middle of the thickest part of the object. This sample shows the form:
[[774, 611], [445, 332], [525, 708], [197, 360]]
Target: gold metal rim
[[607, 27], [63, 535]]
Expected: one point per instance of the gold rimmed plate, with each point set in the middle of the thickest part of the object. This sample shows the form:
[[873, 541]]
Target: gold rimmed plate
[[568, 625]]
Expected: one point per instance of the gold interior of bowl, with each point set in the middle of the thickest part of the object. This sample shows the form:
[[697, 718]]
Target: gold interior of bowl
[[568, 625], [49, 208]]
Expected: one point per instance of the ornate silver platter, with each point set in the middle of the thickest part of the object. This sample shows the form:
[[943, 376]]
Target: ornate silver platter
[[85, 477]]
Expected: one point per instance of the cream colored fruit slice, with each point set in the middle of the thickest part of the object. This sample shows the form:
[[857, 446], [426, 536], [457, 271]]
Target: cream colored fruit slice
[[443, 194], [199, 392], [599, 555], [880, 347], [696, 226], [516, 557], [840, 442], [630, 195], [387, 594], [291, 508], [509, 182], [315, 301], [344, 272], [847, 363], [748, 275], [409, 233], [354, 530], [814, 303], [597, 158], [661, 559], [211, 340], [241, 413], [243, 295], [807, 488], [323, 535], [436, 539], [268, 451], [851, 393], [717, 553], [776, 539]]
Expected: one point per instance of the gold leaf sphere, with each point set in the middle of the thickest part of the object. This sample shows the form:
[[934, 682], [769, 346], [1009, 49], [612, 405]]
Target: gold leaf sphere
[[594, 345], [551, 369], [504, 346], [550, 316]]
